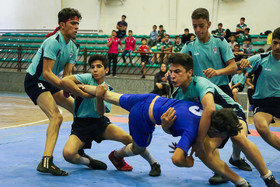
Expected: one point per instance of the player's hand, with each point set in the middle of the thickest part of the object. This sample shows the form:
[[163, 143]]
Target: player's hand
[[66, 94], [101, 90], [81, 86], [210, 72], [244, 63], [168, 118], [173, 146], [159, 86], [198, 148]]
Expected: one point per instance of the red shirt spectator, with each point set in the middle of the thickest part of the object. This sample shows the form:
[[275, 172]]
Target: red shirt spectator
[[130, 43], [114, 46], [143, 48]]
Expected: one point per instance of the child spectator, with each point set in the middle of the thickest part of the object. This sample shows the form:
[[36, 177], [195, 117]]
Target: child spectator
[[220, 31], [232, 42], [161, 31], [237, 83], [178, 45], [247, 46], [192, 37], [153, 37], [240, 28], [130, 46], [113, 51], [144, 48], [166, 47], [186, 37], [243, 36], [238, 53]]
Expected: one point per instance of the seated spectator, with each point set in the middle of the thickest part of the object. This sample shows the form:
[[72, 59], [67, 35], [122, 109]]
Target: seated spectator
[[153, 37], [178, 45], [260, 50], [232, 42], [237, 83], [161, 84], [186, 37], [220, 31], [238, 53], [156, 49], [166, 47], [240, 28], [251, 88], [130, 46], [243, 36], [161, 31], [247, 46], [192, 37], [144, 48], [121, 26]]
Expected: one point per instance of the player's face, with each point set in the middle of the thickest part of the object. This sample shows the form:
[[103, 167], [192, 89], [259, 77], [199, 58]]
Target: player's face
[[70, 28], [179, 76], [98, 71], [201, 27], [214, 133], [275, 45]]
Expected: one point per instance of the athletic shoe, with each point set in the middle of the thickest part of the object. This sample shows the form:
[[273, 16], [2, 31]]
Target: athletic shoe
[[271, 182], [244, 185], [93, 164], [217, 179], [47, 166], [119, 163], [155, 170], [251, 108], [240, 164]]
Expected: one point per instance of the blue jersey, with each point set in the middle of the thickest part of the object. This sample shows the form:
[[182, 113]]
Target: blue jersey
[[54, 48], [238, 79], [212, 54], [267, 75], [86, 107]]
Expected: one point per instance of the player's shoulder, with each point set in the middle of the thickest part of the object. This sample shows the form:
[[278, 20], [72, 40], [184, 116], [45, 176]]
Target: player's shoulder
[[218, 38], [110, 88]]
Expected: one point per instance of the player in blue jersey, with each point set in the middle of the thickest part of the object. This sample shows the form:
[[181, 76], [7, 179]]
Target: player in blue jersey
[[146, 110], [42, 85], [201, 90], [89, 120], [267, 88], [213, 59]]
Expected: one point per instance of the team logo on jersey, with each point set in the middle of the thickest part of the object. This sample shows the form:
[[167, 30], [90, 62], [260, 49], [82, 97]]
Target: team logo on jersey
[[71, 54], [196, 110], [215, 50]]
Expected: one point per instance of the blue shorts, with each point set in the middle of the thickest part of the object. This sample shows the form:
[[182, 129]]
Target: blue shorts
[[269, 105], [34, 87], [141, 128]]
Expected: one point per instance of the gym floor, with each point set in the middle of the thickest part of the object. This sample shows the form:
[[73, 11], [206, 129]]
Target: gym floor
[[22, 138]]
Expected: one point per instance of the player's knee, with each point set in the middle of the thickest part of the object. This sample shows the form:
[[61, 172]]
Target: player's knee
[[57, 117], [68, 154], [263, 130], [240, 140], [126, 139], [177, 161]]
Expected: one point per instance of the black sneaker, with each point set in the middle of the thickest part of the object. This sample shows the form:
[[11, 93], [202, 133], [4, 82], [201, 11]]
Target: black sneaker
[[271, 182], [47, 166], [217, 179], [244, 185], [155, 170], [94, 164], [240, 164]]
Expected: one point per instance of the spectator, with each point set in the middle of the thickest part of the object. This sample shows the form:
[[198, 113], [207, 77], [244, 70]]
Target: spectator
[[130, 46], [192, 37], [166, 47], [240, 28], [156, 49], [113, 51], [237, 83], [122, 26], [247, 46], [186, 37], [243, 36], [153, 37], [161, 31], [220, 31], [232, 42], [238, 53], [178, 45], [161, 85], [144, 48]]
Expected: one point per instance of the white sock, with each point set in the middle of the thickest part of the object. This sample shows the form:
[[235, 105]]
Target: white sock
[[241, 182], [84, 160], [147, 156], [235, 158], [267, 175]]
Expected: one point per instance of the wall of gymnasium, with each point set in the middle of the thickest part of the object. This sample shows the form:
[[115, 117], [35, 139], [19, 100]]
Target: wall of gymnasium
[[141, 15]]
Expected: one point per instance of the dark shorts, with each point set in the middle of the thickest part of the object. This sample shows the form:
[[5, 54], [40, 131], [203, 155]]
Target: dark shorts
[[240, 88], [227, 90], [145, 59], [269, 105], [34, 87], [89, 129]]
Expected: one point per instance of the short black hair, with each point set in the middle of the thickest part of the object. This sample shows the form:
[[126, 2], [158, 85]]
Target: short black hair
[[182, 59], [247, 29], [186, 29], [154, 26], [100, 57], [200, 13], [260, 50], [242, 18], [225, 120], [143, 39], [220, 24], [177, 37], [124, 16], [276, 33], [68, 13], [129, 30], [236, 45], [114, 31], [248, 39], [161, 26]]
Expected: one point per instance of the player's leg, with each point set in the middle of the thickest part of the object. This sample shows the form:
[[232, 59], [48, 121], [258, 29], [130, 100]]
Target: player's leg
[[116, 133], [252, 153], [234, 93], [262, 121], [61, 100]]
